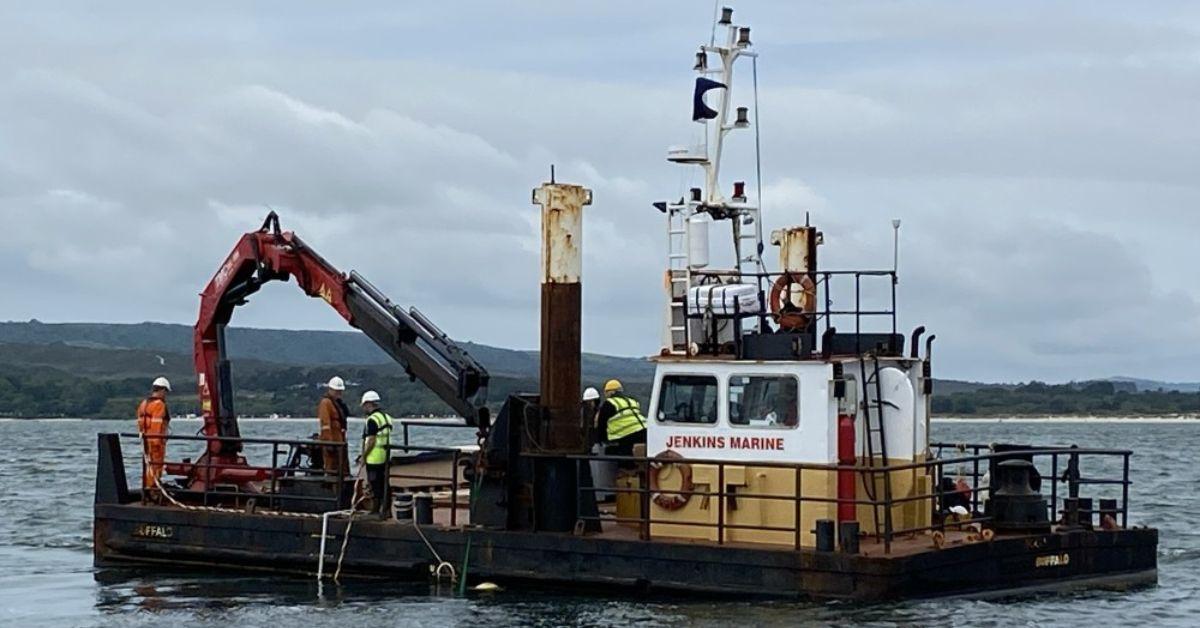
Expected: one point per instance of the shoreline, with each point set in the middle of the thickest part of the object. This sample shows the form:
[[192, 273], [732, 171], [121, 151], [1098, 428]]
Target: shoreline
[[1184, 418]]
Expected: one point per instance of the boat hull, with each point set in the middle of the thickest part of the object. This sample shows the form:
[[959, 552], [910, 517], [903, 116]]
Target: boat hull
[[150, 534]]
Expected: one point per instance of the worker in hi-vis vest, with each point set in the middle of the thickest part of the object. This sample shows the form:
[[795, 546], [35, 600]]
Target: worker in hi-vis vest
[[377, 435], [153, 420], [622, 419]]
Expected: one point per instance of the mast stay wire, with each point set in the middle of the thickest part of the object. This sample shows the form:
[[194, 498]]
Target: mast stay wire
[[758, 161]]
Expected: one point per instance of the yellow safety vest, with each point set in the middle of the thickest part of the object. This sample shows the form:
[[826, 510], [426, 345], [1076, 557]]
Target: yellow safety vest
[[626, 420], [383, 438]]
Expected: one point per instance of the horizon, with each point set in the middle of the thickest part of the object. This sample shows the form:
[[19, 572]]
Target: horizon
[[354, 332]]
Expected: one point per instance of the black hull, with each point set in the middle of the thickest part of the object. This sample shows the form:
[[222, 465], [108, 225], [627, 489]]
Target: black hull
[[139, 534]]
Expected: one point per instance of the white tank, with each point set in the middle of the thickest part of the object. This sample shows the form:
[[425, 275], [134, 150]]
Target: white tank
[[898, 416], [698, 240]]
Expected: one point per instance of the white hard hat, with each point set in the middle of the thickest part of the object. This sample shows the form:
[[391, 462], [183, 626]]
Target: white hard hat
[[162, 382], [336, 383], [590, 393], [370, 395]]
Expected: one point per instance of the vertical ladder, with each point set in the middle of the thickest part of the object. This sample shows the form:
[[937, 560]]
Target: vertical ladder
[[877, 464], [748, 247], [679, 279]]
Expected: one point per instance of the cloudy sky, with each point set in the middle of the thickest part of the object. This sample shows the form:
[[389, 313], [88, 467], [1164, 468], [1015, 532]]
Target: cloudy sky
[[1043, 157]]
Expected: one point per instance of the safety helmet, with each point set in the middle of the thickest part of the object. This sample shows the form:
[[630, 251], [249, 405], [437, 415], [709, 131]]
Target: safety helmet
[[369, 396], [336, 383], [612, 385], [590, 393], [162, 382]]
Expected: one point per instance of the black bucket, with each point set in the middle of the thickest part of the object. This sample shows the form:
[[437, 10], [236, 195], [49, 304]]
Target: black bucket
[[402, 506]]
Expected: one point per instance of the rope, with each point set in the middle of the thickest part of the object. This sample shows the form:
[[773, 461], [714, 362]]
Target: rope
[[462, 582], [175, 502], [442, 565], [358, 478]]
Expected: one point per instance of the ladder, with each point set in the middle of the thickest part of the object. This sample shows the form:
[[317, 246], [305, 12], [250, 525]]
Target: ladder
[[748, 246], [679, 279], [876, 462]]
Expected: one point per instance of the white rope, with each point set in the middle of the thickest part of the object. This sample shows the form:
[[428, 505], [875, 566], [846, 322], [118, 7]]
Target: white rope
[[337, 574], [442, 565]]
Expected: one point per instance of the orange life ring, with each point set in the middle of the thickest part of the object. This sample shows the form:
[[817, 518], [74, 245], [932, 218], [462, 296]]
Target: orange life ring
[[791, 307], [671, 501]]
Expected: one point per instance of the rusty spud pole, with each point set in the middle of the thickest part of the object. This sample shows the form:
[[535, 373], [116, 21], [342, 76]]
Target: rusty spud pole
[[562, 265]]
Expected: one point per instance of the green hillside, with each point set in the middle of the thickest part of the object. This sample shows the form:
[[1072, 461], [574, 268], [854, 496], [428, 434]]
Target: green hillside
[[286, 346], [99, 370]]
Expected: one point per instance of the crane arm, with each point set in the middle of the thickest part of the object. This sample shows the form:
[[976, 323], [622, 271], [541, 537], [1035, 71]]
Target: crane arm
[[426, 353]]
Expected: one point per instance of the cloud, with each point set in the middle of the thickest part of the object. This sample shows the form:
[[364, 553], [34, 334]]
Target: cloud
[[1042, 159]]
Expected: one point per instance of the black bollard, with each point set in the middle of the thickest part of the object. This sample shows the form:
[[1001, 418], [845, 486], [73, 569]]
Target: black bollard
[[824, 532], [848, 536], [1071, 513], [423, 508], [1085, 513]]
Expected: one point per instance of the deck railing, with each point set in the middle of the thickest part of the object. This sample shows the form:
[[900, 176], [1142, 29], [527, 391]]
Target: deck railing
[[970, 462], [334, 491], [936, 468], [823, 314]]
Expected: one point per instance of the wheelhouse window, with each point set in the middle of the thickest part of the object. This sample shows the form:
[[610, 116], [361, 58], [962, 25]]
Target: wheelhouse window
[[764, 400], [688, 399]]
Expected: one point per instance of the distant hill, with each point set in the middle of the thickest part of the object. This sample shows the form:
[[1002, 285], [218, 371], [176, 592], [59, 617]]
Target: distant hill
[[1144, 385], [101, 370], [285, 346]]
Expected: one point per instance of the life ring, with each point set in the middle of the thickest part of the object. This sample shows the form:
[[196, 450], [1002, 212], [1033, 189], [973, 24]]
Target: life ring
[[790, 306], [672, 500]]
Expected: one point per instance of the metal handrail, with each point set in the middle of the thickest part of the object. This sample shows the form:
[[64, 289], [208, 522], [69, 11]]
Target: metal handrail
[[822, 307], [934, 467], [275, 470]]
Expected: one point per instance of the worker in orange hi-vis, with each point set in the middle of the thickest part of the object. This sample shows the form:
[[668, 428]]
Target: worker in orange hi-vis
[[153, 421], [331, 414]]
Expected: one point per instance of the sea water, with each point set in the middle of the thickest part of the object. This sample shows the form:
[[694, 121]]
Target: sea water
[[47, 579]]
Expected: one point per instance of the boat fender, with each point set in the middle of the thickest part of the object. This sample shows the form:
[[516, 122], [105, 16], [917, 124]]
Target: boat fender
[[671, 501], [791, 305]]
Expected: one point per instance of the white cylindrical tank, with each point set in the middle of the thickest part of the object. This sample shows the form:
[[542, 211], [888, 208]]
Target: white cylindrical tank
[[698, 240], [898, 415]]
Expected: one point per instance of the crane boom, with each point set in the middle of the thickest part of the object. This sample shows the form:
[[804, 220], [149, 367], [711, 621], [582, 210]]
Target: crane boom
[[426, 353]]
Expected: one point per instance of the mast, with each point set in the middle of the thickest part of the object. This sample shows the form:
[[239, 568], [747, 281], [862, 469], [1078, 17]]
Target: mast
[[688, 219]]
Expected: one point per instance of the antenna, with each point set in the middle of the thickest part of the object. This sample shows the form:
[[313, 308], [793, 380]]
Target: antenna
[[757, 143], [895, 249]]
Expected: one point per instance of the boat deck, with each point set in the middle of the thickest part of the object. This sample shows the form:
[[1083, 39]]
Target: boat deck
[[901, 546]]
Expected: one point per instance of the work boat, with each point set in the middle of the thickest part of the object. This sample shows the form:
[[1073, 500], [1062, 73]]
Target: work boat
[[787, 447]]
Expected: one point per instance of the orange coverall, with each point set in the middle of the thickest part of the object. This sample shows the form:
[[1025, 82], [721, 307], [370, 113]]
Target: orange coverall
[[333, 428], [153, 420]]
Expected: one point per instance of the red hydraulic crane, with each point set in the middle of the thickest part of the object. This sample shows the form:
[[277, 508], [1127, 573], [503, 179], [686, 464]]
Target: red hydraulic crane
[[268, 254]]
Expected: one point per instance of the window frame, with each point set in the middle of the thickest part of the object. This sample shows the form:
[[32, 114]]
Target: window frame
[[729, 396], [718, 380]]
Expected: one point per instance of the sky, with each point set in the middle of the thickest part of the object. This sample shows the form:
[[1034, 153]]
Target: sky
[[1043, 158]]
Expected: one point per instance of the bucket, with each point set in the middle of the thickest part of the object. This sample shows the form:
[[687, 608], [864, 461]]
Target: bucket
[[629, 503], [402, 506], [604, 474]]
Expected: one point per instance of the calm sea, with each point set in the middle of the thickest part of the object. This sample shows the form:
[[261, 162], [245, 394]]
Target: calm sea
[[47, 579]]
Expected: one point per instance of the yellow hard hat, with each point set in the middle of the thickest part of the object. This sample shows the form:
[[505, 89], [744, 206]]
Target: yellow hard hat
[[612, 385]]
